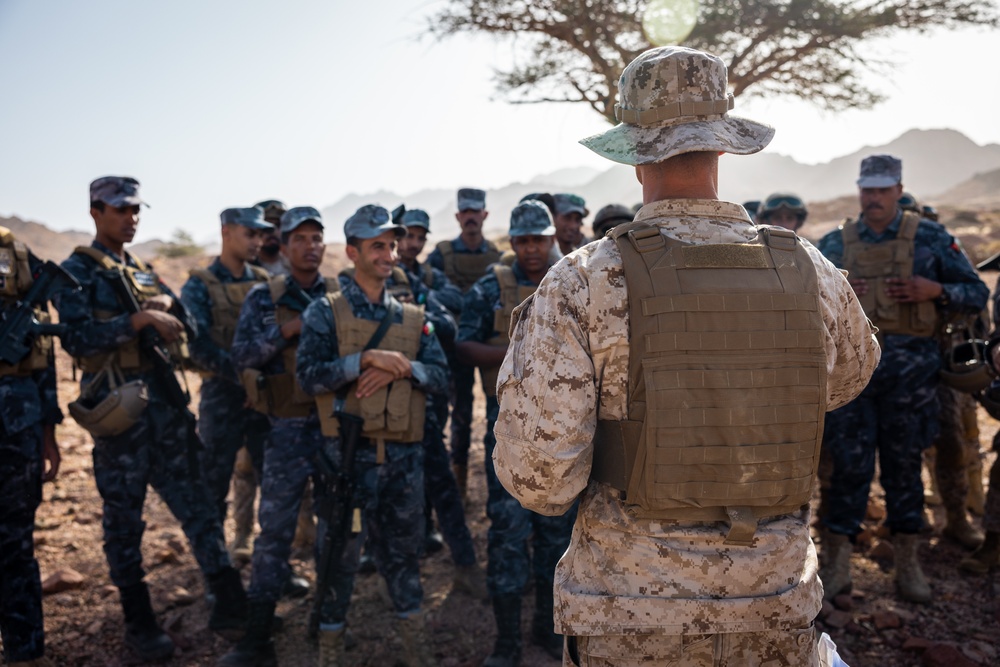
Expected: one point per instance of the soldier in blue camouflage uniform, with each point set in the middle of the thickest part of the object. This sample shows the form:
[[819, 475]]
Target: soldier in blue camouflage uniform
[[482, 340], [388, 472], [431, 287], [157, 449], [897, 413], [29, 412], [568, 220], [226, 424], [263, 351], [464, 260]]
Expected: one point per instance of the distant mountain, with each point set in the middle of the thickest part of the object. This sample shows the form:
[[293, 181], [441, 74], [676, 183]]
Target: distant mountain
[[44, 242], [980, 191], [934, 162]]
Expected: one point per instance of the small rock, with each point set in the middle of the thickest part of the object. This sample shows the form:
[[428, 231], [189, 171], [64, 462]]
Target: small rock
[[164, 556], [876, 511], [174, 621], [945, 655], [178, 595], [838, 619], [886, 619], [41, 540], [94, 628], [917, 644], [63, 580], [47, 523], [843, 602], [882, 550], [177, 545], [107, 591]]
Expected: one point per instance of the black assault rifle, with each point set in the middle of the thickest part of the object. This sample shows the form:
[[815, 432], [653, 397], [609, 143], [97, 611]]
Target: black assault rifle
[[336, 506], [18, 325], [154, 349]]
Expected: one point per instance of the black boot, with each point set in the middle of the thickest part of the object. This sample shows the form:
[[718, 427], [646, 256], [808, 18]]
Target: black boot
[[542, 626], [256, 648], [507, 650], [142, 633], [229, 611]]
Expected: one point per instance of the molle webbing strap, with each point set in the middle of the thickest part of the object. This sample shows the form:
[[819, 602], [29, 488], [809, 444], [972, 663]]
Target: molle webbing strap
[[226, 299], [727, 380], [465, 268]]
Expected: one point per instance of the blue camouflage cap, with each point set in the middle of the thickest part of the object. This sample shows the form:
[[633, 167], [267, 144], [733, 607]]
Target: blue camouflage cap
[[369, 221], [416, 217], [570, 203], [293, 218], [531, 218], [116, 191], [247, 217], [471, 199], [880, 171]]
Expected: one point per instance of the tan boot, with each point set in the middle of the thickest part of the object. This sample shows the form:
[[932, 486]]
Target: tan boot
[[985, 557], [836, 574], [462, 479], [331, 648], [471, 580], [417, 650], [958, 529], [976, 500], [910, 578]]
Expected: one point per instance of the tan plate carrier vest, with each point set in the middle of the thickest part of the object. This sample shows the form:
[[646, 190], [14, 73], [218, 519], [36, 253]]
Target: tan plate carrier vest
[[15, 281], [890, 259], [465, 268], [227, 299], [727, 380], [394, 413], [279, 394], [144, 284], [511, 296]]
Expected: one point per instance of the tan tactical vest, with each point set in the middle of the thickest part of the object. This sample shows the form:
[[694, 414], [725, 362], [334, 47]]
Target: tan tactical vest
[[890, 259], [279, 395], [395, 413], [465, 268], [511, 296], [727, 380], [226, 299], [15, 281], [144, 284]]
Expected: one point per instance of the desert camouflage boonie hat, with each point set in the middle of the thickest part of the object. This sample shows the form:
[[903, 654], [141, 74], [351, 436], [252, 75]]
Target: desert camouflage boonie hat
[[673, 100], [293, 218], [880, 171], [369, 221], [116, 191], [247, 217], [471, 199], [531, 218], [416, 217]]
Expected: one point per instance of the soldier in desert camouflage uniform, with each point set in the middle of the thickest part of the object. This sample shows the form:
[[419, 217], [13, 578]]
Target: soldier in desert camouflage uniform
[[29, 456], [666, 572]]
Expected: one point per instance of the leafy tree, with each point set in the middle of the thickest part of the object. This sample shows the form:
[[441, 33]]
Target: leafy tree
[[576, 49], [182, 245]]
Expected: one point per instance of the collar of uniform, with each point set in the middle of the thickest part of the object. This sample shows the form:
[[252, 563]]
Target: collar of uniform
[[108, 251], [223, 273], [521, 276], [318, 288], [352, 290], [707, 208], [893, 228]]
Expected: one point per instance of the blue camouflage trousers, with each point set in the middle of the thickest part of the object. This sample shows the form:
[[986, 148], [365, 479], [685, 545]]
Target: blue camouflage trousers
[[391, 497], [20, 584], [441, 487], [896, 416], [511, 527], [155, 451], [463, 378], [225, 426]]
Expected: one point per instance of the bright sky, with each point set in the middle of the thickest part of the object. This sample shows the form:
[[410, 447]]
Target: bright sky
[[218, 104]]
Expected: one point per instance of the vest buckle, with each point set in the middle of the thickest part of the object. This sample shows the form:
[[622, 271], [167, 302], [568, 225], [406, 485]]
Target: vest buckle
[[646, 239]]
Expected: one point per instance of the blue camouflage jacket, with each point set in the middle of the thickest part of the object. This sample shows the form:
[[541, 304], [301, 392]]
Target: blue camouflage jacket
[[442, 289]]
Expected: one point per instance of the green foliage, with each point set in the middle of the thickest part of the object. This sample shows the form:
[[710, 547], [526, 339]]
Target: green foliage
[[182, 245], [575, 50]]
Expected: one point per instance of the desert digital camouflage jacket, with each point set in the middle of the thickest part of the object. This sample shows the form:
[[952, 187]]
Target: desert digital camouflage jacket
[[567, 367]]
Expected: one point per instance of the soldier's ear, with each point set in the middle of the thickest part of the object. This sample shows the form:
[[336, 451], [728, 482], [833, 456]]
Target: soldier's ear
[[352, 252]]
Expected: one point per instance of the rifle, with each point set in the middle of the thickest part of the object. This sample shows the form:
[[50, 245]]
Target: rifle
[[18, 325], [156, 350], [336, 507]]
